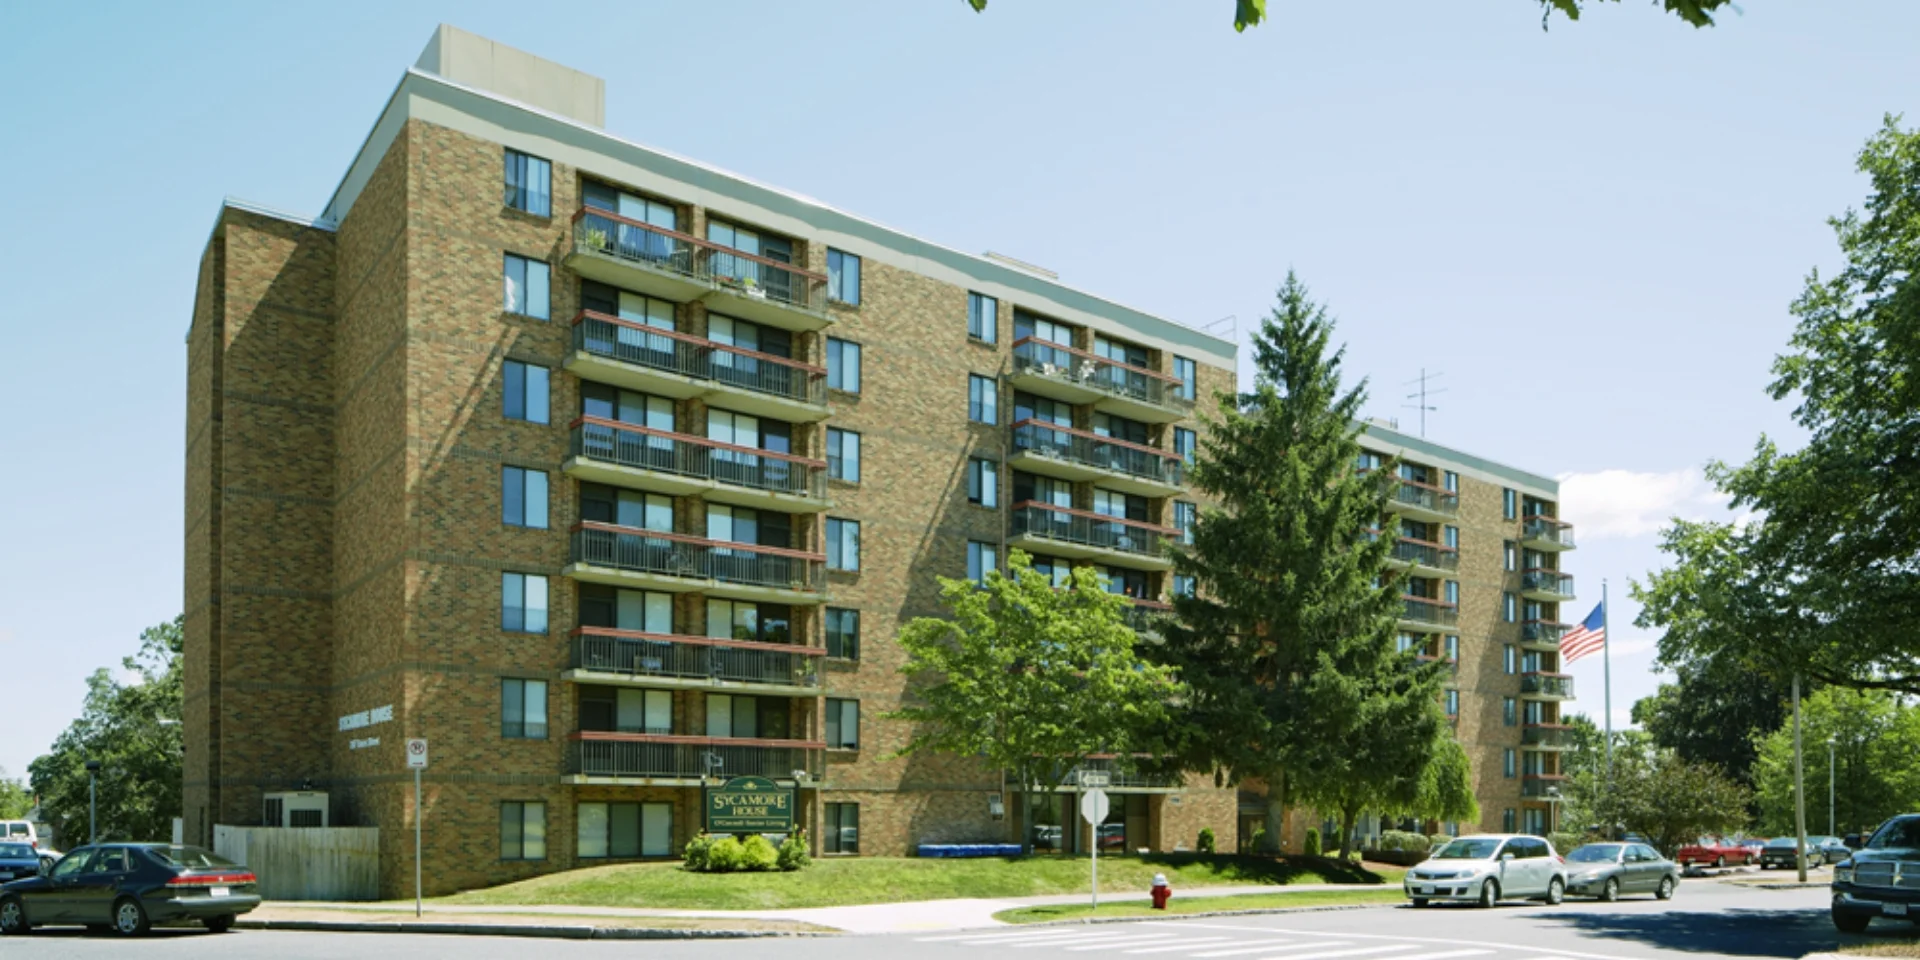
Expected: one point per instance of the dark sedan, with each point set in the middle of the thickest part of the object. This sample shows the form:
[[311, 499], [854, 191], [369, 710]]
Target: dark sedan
[[1882, 879], [129, 887], [18, 861]]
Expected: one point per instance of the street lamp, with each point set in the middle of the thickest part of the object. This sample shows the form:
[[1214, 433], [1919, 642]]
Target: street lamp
[[93, 802], [1830, 818]]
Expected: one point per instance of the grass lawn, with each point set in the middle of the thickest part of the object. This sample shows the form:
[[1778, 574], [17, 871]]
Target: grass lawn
[[1251, 901], [839, 882]]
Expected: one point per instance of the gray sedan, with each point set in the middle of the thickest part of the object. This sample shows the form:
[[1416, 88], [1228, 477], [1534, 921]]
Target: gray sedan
[[1608, 870]]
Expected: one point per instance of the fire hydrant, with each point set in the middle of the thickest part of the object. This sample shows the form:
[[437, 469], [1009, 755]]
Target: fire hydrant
[[1161, 891]]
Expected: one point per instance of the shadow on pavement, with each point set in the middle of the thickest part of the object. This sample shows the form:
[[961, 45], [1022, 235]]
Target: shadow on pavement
[[1749, 933]]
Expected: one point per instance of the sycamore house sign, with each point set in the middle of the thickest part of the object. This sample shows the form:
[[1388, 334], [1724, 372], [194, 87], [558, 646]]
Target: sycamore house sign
[[750, 805]]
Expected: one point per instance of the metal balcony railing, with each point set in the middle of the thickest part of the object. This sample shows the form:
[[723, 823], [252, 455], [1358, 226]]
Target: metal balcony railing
[[1425, 554], [1426, 497], [1541, 527], [1542, 631], [1547, 735], [678, 555], [1032, 518], [611, 235], [1144, 615], [1542, 580], [596, 753], [669, 351], [1069, 365], [1093, 450], [1539, 786], [635, 653], [1547, 684], [643, 448], [1425, 610]]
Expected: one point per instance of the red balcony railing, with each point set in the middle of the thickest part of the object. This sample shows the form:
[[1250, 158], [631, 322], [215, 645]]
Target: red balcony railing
[[1542, 580], [609, 234], [1033, 518], [1093, 450], [1071, 365], [596, 753], [669, 351], [1426, 554], [1540, 527], [1428, 610], [636, 653], [660, 451], [679, 555]]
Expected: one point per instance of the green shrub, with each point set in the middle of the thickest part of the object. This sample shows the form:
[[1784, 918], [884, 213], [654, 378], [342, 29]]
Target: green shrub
[[696, 853], [725, 855], [1438, 838], [758, 854], [1206, 840], [793, 853], [1312, 848], [1258, 841], [1404, 842], [1564, 842]]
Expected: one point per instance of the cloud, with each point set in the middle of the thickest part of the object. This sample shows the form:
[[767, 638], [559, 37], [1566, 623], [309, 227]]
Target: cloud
[[1621, 504]]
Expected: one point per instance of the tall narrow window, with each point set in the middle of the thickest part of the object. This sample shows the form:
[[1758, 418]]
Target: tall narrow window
[[1452, 592], [523, 602], [1509, 711], [843, 365], [843, 724], [527, 285], [1510, 659], [1453, 703], [1450, 536], [843, 633], [523, 830], [525, 391], [1184, 514], [523, 709], [843, 544], [981, 558], [983, 482], [1453, 648], [523, 497], [843, 828], [1509, 504], [1508, 608], [843, 455], [1506, 820], [1183, 586], [983, 317], [1512, 555], [1184, 442], [1187, 371], [1507, 764], [843, 277], [983, 399], [529, 184]]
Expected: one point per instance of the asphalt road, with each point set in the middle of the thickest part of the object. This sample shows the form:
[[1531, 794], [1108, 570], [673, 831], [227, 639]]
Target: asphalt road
[[1704, 921]]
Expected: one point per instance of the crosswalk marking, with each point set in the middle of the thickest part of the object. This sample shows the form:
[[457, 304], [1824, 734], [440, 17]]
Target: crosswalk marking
[[1448, 955], [1023, 936], [1349, 952], [1137, 940], [1184, 945], [1267, 945], [1103, 939]]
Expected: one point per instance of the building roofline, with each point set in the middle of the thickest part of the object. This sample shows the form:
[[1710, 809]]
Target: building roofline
[[1452, 455]]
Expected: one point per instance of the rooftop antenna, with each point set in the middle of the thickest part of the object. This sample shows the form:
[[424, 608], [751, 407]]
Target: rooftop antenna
[[1420, 396]]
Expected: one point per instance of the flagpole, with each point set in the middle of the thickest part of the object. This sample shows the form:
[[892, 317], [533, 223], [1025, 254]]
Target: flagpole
[[1606, 667]]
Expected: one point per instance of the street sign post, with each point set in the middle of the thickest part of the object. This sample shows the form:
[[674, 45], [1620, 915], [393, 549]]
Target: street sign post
[[1094, 806], [416, 761]]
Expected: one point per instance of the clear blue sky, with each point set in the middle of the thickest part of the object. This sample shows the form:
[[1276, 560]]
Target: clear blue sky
[[1594, 231]]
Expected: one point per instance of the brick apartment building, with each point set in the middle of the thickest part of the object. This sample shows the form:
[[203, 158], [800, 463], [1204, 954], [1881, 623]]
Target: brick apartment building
[[612, 474]]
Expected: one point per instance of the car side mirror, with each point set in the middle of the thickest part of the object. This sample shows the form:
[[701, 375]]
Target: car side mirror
[[1853, 841], [1505, 857]]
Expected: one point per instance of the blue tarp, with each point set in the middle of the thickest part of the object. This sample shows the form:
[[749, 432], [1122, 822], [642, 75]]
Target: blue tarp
[[969, 849]]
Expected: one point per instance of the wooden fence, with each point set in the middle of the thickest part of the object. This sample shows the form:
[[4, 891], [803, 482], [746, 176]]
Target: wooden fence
[[306, 863]]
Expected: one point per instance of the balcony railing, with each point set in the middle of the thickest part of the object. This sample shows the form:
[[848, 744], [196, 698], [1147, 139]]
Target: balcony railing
[[1032, 518], [595, 753], [669, 351], [1411, 493], [1143, 615], [1093, 450], [611, 235], [1424, 610], [1124, 776], [1542, 631], [1547, 735], [1425, 554], [678, 555], [1547, 684], [643, 448], [1067, 364], [638, 654], [1547, 529], [1540, 580], [1448, 664], [1540, 786]]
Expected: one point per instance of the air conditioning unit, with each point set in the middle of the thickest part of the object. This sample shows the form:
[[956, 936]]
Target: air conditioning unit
[[299, 808]]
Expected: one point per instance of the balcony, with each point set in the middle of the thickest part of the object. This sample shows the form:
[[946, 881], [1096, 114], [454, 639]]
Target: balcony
[[1052, 450], [1076, 376], [1547, 736], [677, 266], [1541, 532], [1447, 664], [1423, 501], [1546, 686], [1144, 615], [656, 560], [667, 363], [660, 759], [1081, 534], [1542, 634], [1540, 583], [629, 455], [1423, 610], [637, 659], [1425, 556], [1542, 786]]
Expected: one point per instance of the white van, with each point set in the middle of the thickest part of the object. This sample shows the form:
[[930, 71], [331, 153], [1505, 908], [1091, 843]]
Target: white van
[[19, 831]]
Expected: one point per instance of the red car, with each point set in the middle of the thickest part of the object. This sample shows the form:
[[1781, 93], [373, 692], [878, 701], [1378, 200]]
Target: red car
[[1715, 852]]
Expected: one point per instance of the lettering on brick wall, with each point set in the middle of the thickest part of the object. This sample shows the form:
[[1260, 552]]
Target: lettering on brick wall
[[362, 744], [367, 718]]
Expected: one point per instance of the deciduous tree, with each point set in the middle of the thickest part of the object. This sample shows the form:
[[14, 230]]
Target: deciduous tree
[[1876, 761]]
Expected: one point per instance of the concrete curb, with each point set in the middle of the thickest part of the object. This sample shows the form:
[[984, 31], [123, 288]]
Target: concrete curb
[[1248, 912], [557, 931], [1809, 885]]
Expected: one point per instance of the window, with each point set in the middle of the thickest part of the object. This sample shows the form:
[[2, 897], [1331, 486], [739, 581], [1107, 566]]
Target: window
[[1510, 659], [526, 391], [523, 602], [983, 399], [1507, 607], [523, 830], [1508, 764], [1183, 443], [1509, 713], [1182, 585], [523, 709], [981, 557], [1506, 820], [843, 365], [1452, 646], [843, 455], [1185, 370], [1451, 591], [523, 497], [624, 830], [843, 544], [843, 633], [843, 724], [1184, 514], [843, 829], [1450, 537], [843, 277], [1512, 555], [1452, 481], [529, 184], [526, 283], [1508, 504], [1453, 703], [983, 482], [983, 317]]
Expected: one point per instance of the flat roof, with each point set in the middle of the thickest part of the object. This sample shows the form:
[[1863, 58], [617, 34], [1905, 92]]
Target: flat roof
[[1389, 440]]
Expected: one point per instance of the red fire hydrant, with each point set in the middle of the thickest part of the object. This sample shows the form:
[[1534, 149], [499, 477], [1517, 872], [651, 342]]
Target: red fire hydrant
[[1161, 891]]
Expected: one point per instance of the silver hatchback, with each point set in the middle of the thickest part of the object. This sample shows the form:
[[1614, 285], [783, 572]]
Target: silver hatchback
[[1489, 868]]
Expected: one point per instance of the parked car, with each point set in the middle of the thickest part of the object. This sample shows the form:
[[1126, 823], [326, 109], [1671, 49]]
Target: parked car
[[18, 861], [129, 887], [1781, 852], [1832, 849], [48, 857], [1714, 852], [1607, 870], [1488, 868], [1877, 879], [1755, 844]]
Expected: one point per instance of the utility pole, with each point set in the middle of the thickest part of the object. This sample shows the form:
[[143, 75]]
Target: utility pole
[[1799, 786], [1420, 395], [93, 802], [1831, 831]]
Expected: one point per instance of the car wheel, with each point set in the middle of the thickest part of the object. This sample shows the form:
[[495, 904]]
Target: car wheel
[[1419, 902], [1719, 863], [1665, 890], [1489, 893], [13, 917], [1556, 892], [1850, 923], [219, 924], [129, 918], [1814, 862], [1610, 892]]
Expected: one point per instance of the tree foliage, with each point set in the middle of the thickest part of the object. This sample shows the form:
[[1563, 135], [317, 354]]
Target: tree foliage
[[1251, 13], [1875, 761], [1652, 792], [1713, 713], [1823, 582], [1288, 646], [15, 798], [1030, 678], [139, 779]]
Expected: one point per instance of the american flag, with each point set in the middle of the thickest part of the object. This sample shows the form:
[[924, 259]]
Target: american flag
[[1589, 637]]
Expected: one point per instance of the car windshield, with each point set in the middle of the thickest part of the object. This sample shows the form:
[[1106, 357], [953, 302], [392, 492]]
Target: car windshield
[[1904, 832], [189, 857], [1468, 850], [1787, 842], [16, 851], [1596, 853]]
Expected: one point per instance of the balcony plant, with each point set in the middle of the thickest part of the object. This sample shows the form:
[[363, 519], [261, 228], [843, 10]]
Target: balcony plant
[[597, 238]]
